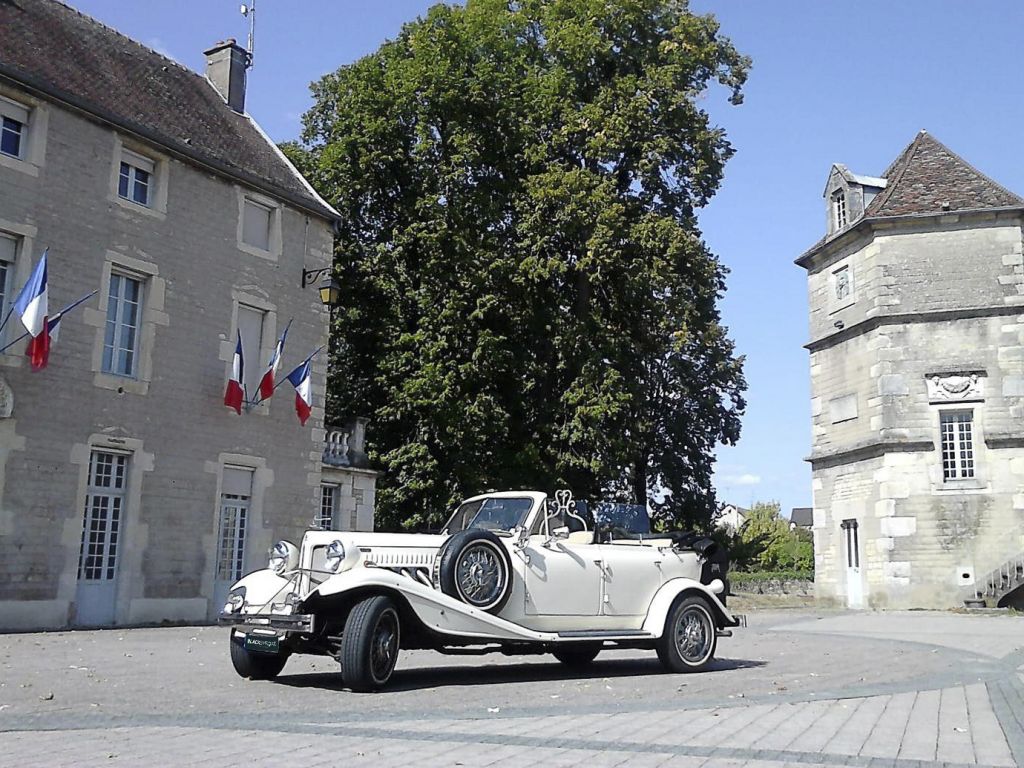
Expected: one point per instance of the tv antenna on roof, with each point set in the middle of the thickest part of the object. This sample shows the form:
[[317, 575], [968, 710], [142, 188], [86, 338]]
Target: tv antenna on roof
[[249, 11]]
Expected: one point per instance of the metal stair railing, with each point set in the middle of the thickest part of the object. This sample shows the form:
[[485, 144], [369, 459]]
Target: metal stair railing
[[1001, 581]]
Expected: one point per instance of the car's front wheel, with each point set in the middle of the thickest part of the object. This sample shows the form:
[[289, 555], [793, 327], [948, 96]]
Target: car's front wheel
[[689, 640], [370, 644], [577, 656], [252, 665]]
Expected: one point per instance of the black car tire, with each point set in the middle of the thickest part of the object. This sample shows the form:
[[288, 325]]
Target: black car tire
[[254, 666], [690, 637], [370, 644], [475, 568]]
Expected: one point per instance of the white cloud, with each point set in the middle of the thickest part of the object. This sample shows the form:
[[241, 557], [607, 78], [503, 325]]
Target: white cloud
[[745, 479]]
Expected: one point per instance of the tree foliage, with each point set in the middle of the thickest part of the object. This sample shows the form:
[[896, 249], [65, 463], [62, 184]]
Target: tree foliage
[[765, 542], [527, 298]]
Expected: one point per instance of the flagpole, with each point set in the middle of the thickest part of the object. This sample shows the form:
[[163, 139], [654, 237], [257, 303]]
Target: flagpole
[[4, 323], [315, 353], [283, 336], [60, 314], [46, 250]]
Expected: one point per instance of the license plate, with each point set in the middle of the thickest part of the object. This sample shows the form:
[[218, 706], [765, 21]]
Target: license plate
[[263, 643]]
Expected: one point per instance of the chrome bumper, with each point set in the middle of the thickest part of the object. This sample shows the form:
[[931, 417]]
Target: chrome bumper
[[738, 620], [290, 623]]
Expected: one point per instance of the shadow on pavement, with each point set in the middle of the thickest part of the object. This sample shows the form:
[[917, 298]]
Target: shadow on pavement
[[492, 674]]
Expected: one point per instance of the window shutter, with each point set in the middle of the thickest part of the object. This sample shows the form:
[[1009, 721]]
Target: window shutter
[[140, 162], [250, 325], [256, 225], [237, 482], [13, 111], [8, 249]]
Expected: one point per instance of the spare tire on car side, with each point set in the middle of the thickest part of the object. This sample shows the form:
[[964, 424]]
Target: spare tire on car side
[[475, 567]]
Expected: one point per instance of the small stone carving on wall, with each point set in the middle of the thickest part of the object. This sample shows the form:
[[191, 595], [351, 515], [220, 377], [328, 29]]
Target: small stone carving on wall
[[6, 399], [955, 387]]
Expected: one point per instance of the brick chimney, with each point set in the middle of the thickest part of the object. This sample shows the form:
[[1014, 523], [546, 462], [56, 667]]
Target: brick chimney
[[225, 68]]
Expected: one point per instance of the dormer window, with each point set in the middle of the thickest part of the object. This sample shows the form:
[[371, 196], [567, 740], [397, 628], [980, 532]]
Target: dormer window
[[839, 219]]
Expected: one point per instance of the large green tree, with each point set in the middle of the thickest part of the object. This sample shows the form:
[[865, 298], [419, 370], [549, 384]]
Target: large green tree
[[527, 299]]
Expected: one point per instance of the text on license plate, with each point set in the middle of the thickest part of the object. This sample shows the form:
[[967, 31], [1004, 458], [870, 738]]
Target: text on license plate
[[263, 643]]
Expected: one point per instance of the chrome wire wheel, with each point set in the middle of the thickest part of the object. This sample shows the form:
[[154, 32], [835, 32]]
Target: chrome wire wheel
[[480, 574], [384, 646], [694, 634]]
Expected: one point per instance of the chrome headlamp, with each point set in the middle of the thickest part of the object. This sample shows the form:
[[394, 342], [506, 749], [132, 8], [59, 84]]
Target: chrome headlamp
[[334, 556], [236, 600], [284, 556]]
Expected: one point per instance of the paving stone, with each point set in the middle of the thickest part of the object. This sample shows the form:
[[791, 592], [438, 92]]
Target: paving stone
[[921, 735]]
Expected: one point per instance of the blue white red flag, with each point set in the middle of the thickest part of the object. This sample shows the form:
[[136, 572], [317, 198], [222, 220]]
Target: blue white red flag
[[267, 382], [32, 308], [300, 378], [234, 395]]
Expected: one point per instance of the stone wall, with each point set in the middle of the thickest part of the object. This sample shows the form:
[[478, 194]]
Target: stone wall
[[170, 418], [935, 298]]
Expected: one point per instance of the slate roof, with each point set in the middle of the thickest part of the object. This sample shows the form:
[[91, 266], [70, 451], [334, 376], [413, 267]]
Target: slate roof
[[928, 177], [802, 517], [54, 49]]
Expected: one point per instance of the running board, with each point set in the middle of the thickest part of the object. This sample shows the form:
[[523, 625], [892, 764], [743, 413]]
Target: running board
[[604, 634]]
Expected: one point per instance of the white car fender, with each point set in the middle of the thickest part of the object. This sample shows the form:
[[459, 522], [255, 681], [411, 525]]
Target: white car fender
[[438, 611], [262, 587], [657, 613]]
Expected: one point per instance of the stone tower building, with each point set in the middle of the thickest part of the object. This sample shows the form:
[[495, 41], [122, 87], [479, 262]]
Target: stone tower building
[[917, 376]]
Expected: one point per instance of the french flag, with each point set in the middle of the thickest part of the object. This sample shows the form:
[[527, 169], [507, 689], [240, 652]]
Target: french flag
[[32, 308], [234, 395], [267, 382], [300, 379]]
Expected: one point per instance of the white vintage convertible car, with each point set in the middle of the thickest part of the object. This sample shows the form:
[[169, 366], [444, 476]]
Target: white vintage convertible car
[[512, 572]]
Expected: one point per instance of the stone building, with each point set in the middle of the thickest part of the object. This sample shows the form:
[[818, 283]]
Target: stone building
[[917, 377], [128, 492]]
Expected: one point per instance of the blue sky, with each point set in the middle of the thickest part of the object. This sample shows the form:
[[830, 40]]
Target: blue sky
[[831, 82]]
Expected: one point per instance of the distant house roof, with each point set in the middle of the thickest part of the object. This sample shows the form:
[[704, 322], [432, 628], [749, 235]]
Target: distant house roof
[[927, 178], [53, 49], [802, 517]]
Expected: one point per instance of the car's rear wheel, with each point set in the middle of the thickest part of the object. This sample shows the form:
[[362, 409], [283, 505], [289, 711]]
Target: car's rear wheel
[[578, 655], [370, 644], [690, 638], [255, 666]]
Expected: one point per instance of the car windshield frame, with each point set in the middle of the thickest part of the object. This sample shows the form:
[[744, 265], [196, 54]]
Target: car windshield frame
[[491, 509]]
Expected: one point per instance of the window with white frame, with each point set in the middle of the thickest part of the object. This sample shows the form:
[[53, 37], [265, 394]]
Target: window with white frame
[[328, 507], [8, 252], [104, 511], [839, 218], [957, 433], [256, 221], [236, 494], [13, 128], [135, 179], [124, 315]]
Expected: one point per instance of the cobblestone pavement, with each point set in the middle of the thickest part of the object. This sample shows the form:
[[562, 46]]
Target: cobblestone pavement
[[828, 689]]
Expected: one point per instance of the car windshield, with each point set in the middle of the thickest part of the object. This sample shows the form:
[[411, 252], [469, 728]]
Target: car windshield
[[629, 519], [491, 514]]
